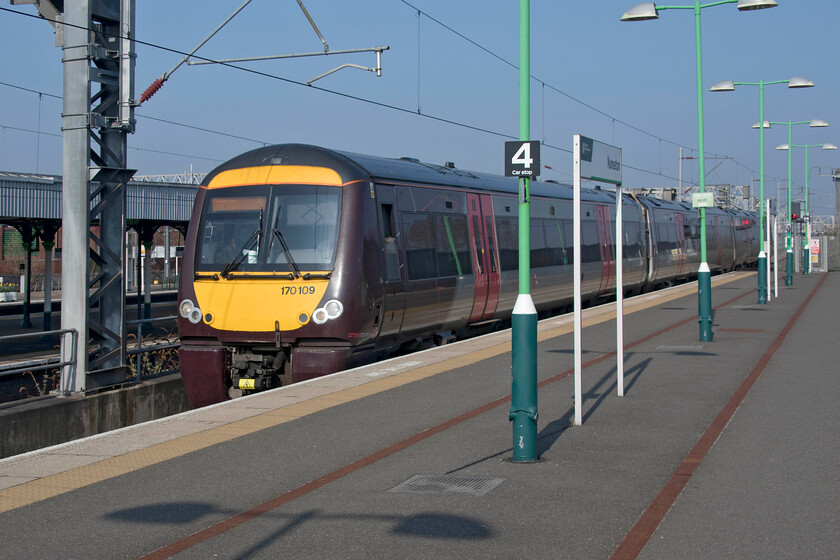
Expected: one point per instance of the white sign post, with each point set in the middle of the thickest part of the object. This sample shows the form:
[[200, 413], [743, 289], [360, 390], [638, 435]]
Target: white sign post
[[597, 162], [776, 256], [767, 222]]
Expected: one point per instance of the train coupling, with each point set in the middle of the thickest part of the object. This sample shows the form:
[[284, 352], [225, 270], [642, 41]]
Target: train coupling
[[250, 373]]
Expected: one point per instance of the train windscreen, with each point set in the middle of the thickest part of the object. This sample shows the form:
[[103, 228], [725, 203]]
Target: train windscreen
[[269, 228]]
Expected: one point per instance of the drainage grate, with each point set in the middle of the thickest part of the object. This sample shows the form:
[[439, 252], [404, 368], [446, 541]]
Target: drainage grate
[[442, 484]]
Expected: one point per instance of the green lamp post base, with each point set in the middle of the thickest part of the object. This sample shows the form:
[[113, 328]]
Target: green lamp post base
[[789, 266], [762, 278], [704, 302]]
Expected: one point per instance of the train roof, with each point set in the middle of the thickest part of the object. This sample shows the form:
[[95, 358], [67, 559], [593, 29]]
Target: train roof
[[354, 167]]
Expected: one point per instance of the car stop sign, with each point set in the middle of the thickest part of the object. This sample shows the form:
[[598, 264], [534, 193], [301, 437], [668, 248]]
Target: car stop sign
[[522, 159]]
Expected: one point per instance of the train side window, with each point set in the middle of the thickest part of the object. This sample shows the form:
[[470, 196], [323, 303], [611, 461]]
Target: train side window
[[667, 238], [539, 258], [554, 242], [590, 250], [507, 237], [569, 236], [453, 245], [388, 220], [392, 257], [419, 239]]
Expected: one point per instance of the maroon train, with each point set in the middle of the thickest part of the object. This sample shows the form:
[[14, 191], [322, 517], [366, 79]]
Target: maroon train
[[302, 261]]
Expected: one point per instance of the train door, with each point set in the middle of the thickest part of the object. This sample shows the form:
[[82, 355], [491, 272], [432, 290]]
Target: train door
[[679, 225], [485, 259], [605, 237], [392, 309]]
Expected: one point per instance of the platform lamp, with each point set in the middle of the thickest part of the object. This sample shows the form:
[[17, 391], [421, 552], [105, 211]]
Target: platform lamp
[[650, 10], [815, 123], [729, 85], [807, 211]]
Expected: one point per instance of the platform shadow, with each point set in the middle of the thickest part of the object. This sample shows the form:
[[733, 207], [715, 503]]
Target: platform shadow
[[430, 525]]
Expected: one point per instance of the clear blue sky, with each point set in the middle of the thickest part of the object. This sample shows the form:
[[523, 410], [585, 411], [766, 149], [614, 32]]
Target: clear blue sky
[[455, 64]]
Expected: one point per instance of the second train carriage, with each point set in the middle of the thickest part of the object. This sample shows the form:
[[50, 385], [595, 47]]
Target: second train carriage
[[302, 261]]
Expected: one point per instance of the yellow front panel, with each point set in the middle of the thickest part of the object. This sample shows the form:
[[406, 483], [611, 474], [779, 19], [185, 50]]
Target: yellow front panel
[[254, 305]]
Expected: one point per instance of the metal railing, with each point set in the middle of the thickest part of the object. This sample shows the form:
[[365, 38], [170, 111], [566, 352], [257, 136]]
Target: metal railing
[[145, 367], [140, 349], [41, 364]]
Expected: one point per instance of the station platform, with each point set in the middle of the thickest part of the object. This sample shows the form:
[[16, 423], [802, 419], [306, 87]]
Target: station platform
[[722, 449]]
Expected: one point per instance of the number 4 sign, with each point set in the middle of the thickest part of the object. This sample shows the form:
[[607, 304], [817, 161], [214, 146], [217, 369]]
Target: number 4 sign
[[522, 159]]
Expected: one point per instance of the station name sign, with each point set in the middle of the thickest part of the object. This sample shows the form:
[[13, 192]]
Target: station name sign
[[522, 159], [703, 200], [599, 161]]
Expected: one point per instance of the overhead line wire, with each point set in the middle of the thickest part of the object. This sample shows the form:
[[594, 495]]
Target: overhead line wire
[[373, 102], [554, 88]]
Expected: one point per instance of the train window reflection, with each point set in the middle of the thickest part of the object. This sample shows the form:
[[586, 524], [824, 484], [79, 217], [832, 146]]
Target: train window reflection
[[307, 217], [436, 245]]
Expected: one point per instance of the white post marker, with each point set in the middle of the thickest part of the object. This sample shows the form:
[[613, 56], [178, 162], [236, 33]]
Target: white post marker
[[768, 245], [576, 259], [600, 162], [619, 292], [776, 255]]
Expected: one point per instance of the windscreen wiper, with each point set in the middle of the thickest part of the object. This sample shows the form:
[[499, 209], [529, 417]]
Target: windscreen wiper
[[292, 264], [240, 253]]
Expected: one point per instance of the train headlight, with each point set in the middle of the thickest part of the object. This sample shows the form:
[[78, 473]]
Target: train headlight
[[189, 311], [331, 310], [334, 309], [320, 316]]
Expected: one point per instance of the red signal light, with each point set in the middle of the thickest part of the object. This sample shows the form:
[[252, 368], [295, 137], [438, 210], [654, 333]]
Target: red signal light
[[794, 216]]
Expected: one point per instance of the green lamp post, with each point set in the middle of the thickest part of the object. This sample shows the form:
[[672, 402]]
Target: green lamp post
[[806, 211], [523, 410], [728, 85], [789, 237], [648, 11]]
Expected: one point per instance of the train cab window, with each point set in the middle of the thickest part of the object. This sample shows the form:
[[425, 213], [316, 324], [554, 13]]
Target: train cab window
[[306, 217], [231, 218], [243, 225]]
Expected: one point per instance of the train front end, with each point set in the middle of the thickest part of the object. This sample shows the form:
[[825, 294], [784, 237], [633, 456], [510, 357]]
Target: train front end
[[261, 301]]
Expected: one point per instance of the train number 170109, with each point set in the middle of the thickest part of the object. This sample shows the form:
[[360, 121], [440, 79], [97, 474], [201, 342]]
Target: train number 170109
[[297, 290]]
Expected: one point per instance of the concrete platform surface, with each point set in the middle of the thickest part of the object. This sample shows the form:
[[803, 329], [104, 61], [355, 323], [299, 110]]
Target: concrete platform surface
[[723, 449]]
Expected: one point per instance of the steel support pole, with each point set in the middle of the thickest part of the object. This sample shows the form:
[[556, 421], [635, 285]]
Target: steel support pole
[[74, 201], [523, 410], [704, 274]]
